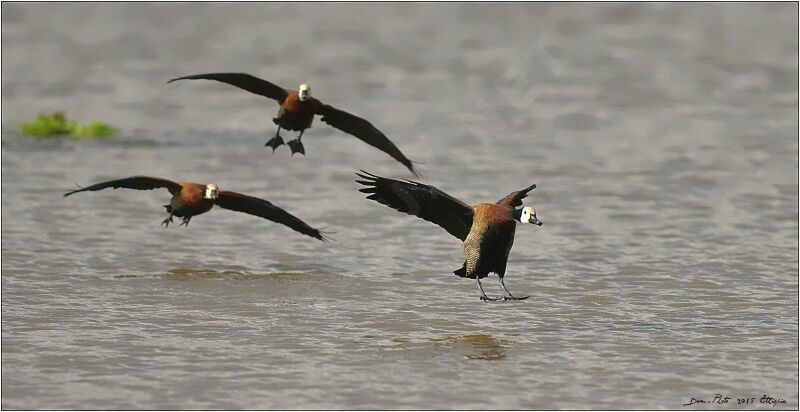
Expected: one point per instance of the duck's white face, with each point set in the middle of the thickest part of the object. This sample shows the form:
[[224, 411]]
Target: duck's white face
[[212, 191], [528, 215], [304, 92]]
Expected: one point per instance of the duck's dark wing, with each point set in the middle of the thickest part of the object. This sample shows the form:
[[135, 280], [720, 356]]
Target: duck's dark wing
[[365, 131], [514, 199], [262, 208], [426, 202], [243, 81], [133, 182]]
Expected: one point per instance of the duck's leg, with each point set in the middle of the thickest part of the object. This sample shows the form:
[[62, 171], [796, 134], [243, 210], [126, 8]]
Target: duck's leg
[[275, 141], [185, 221], [483, 294], [508, 295], [296, 145], [167, 221]]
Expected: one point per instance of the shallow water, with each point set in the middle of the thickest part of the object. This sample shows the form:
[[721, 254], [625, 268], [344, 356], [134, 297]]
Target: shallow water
[[663, 140]]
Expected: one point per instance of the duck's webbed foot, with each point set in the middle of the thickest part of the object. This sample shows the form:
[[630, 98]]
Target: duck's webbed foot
[[277, 140], [185, 221], [296, 146], [274, 142], [167, 221], [488, 299]]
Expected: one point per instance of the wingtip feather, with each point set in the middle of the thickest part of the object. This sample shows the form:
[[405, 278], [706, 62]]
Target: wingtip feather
[[74, 191], [415, 171], [325, 236], [367, 175]]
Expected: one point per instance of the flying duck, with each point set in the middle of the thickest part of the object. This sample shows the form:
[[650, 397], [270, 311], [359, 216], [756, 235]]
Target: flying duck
[[297, 111], [487, 229], [192, 199]]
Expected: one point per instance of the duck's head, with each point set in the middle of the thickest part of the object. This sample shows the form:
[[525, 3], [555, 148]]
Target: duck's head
[[304, 92], [528, 215], [212, 191]]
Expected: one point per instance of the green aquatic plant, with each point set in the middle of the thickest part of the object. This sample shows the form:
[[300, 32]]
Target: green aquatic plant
[[57, 125], [97, 130]]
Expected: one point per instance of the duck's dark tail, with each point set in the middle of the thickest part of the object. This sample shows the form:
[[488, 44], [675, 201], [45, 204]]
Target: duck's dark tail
[[461, 272], [169, 208]]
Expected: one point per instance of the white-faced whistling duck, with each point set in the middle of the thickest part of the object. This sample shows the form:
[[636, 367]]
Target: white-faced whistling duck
[[487, 229], [192, 199], [297, 111]]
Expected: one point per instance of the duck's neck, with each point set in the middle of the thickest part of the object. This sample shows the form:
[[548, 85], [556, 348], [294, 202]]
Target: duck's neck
[[516, 214]]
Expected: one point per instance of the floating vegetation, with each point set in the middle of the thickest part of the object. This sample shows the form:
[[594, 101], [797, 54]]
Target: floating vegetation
[[57, 125]]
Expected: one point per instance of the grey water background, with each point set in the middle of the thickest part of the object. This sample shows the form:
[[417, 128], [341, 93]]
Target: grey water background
[[662, 137]]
